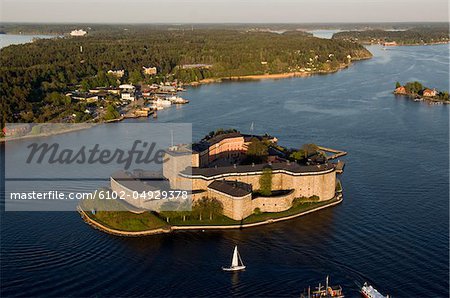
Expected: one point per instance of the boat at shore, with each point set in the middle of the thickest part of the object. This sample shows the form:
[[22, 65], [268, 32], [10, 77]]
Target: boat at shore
[[177, 100], [236, 262], [368, 291], [326, 291], [160, 103]]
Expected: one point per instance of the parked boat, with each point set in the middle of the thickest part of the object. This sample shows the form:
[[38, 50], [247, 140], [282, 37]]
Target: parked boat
[[162, 102], [236, 262], [177, 100], [326, 292], [156, 108], [368, 291]]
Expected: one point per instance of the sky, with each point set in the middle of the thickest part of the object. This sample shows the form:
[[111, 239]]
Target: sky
[[222, 11]]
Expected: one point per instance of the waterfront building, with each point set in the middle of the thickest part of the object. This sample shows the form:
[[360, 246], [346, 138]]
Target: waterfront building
[[429, 92], [400, 90], [128, 92], [390, 44]]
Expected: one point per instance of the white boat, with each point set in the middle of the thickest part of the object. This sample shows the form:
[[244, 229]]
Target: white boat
[[368, 291], [162, 102], [155, 107], [235, 261], [177, 100]]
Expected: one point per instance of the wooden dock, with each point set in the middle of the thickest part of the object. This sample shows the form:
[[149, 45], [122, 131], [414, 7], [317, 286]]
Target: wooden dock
[[335, 153]]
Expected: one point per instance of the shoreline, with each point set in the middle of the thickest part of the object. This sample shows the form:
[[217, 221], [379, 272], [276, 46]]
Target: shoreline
[[418, 98], [278, 76], [165, 230], [46, 135], [275, 76], [407, 44]]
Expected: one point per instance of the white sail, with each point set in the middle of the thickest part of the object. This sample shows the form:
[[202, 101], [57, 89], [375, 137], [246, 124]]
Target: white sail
[[235, 261]]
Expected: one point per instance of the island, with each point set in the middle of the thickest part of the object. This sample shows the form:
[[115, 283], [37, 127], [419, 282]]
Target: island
[[234, 180], [437, 34], [77, 78], [417, 92]]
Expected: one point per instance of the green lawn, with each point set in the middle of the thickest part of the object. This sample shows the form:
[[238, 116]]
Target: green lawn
[[194, 220], [120, 218], [292, 211], [129, 221], [223, 220]]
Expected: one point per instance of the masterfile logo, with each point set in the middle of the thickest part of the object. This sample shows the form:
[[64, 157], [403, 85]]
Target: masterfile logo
[[141, 152], [120, 164]]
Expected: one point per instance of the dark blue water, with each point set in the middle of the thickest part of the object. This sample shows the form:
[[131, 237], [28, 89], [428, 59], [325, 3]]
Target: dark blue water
[[392, 228]]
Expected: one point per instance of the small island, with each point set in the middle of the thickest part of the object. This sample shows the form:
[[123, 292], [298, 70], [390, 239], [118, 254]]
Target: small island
[[417, 92], [234, 180]]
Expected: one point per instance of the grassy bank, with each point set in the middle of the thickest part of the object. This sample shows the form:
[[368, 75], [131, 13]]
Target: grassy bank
[[125, 221], [297, 209]]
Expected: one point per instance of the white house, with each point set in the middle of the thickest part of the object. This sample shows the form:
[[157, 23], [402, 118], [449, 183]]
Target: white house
[[149, 70], [127, 92], [117, 73], [78, 32], [127, 96]]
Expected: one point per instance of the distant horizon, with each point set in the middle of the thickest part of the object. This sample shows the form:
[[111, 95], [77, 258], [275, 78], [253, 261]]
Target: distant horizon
[[222, 11], [224, 23]]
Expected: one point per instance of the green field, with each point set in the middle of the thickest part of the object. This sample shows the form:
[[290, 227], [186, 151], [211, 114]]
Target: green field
[[131, 222]]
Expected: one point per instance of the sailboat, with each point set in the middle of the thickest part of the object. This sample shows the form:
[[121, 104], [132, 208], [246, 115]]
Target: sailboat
[[235, 261]]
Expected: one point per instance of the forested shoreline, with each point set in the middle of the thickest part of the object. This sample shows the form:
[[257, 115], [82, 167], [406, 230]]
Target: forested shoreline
[[34, 77], [413, 36]]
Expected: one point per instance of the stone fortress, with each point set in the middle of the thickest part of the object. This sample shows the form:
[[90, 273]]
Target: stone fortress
[[215, 168], [216, 172]]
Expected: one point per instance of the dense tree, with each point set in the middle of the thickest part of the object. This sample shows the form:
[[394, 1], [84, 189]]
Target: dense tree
[[414, 87], [206, 205], [418, 35], [135, 77], [265, 182], [257, 149], [310, 149], [29, 72], [298, 155], [111, 113]]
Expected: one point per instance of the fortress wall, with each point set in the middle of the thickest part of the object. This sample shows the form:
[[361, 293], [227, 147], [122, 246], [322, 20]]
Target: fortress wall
[[273, 204], [321, 185], [234, 208], [128, 193]]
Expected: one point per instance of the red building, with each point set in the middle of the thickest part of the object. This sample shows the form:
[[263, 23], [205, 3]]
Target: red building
[[400, 90], [429, 93]]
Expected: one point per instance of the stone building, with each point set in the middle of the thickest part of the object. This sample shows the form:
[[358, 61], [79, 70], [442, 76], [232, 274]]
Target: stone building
[[205, 171], [234, 185]]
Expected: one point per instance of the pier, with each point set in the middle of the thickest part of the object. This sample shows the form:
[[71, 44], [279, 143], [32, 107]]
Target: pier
[[335, 153]]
